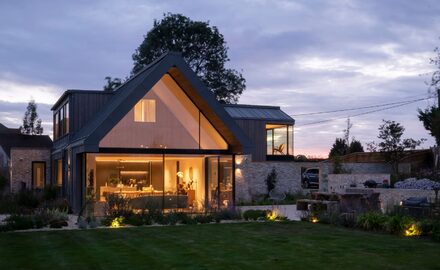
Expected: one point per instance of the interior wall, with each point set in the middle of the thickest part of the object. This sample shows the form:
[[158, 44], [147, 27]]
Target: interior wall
[[176, 126]]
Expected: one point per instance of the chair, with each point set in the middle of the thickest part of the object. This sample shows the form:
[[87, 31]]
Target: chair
[[279, 149]]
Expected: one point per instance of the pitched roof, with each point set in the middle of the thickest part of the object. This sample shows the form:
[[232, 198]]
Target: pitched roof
[[258, 112], [129, 93], [10, 140], [6, 130]]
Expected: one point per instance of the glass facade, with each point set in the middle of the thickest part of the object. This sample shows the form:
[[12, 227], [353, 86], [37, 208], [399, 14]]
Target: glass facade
[[162, 181]]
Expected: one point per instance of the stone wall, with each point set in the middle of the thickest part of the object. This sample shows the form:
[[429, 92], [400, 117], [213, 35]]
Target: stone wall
[[250, 177], [21, 166], [392, 196], [339, 182]]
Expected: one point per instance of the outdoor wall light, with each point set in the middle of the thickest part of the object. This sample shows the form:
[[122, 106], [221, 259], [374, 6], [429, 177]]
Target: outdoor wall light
[[240, 159]]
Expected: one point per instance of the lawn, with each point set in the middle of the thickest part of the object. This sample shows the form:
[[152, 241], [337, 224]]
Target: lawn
[[292, 245]]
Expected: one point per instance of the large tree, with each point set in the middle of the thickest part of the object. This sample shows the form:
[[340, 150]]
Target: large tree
[[339, 148], [392, 143], [430, 117], [31, 122], [202, 47]]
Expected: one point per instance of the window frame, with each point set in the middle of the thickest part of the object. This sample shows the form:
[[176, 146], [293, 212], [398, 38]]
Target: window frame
[[289, 140], [33, 186]]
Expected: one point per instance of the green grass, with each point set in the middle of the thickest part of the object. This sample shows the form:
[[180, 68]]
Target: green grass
[[292, 245]]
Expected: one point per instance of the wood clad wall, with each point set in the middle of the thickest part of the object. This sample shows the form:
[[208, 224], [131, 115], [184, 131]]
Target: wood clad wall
[[256, 131], [83, 106]]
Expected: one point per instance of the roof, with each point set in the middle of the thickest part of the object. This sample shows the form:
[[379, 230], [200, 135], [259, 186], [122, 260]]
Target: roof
[[4, 129], [258, 112], [73, 91], [10, 140], [128, 94]]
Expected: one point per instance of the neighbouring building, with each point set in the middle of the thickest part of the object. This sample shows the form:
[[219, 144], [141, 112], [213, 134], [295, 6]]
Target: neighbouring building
[[24, 159]]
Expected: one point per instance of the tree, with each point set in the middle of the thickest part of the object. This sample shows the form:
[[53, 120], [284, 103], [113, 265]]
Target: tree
[[339, 148], [112, 83], [202, 47], [392, 144], [355, 146], [430, 117], [31, 122]]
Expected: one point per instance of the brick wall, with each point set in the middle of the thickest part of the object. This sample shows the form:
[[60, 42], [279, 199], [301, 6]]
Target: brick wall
[[21, 165]]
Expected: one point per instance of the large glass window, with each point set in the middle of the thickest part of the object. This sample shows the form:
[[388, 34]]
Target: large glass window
[[61, 121], [279, 139], [162, 181]]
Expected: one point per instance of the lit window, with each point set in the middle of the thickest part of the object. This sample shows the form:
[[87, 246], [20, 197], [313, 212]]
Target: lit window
[[145, 111]]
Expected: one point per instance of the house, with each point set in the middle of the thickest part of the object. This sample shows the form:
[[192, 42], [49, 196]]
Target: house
[[161, 139], [24, 159]]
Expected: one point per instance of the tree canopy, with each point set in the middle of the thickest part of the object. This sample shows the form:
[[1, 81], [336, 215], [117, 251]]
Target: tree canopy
[[392, 144], [202, 46], [31, 122], [112, 83], [430, 117]]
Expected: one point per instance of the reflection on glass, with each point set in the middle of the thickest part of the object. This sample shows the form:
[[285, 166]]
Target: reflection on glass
[[279, 139], [149, 181]]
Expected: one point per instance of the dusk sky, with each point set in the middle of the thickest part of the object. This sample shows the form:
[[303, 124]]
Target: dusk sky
[[305, 56]]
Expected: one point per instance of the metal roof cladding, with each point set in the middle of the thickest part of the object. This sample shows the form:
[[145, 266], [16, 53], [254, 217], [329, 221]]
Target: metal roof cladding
[[257, 112]]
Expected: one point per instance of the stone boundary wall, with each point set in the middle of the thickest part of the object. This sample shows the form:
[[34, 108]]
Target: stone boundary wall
[[339, 182], [392, 196], [21, 166], [250, 177]]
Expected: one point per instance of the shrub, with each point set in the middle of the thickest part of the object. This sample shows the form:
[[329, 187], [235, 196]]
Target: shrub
[[118, 205], [135, 220], [226, 214], [371, 221], [426, 226], [186, 219], [8, 204], [329, 218], [50, 193], [271, 180], [19, 222], [347, 220], [28, 199], [202, 219], [255, 214], [3, 182], [398, 224]]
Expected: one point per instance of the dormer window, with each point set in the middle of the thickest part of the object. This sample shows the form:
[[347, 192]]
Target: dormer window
[[145, 111]]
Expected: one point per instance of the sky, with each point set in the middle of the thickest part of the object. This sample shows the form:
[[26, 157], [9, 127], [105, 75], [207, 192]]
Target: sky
[[305, 56]]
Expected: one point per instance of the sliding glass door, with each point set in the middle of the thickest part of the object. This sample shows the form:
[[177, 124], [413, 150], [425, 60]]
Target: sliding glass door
[[219, 182]]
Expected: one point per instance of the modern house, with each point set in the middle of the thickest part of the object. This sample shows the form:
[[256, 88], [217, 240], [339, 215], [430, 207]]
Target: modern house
[[24, 159], [161, 138]]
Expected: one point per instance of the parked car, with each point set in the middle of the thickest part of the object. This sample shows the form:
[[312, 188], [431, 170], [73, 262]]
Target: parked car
[[310, 178]]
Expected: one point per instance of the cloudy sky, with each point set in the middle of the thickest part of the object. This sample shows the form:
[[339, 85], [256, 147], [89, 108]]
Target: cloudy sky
[[305, 56]]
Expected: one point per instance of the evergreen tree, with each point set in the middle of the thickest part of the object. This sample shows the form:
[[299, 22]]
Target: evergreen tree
[[31, 122]]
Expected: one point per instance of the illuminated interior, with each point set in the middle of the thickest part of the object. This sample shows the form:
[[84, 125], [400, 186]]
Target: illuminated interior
[[279, 139], [170, 119], [162, 181]]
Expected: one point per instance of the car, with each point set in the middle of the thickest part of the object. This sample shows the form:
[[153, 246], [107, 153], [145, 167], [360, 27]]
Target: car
[[310, 178]]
